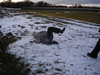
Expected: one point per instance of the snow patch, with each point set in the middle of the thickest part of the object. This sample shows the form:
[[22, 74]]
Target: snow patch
[[67, 58]]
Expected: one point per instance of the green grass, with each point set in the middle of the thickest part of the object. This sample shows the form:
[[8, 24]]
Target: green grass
[[79, 15]]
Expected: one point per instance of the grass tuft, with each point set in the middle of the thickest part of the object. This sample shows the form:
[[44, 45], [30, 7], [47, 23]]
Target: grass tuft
[[9, 64]]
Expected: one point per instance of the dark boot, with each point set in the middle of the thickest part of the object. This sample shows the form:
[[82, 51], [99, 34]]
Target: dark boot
[[92, 56], [95, 51], [62, 30]]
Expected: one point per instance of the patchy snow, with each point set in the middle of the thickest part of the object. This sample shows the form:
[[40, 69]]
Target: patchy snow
[[69, 57]]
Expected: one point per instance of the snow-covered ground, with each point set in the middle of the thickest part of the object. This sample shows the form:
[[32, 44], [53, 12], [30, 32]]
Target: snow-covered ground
[[69, 57]]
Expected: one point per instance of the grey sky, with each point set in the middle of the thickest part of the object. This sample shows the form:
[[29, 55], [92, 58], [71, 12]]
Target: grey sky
[[69, 1]]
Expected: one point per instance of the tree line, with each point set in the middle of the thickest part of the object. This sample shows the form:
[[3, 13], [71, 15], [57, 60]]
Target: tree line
[[24, 4], [28, 3]]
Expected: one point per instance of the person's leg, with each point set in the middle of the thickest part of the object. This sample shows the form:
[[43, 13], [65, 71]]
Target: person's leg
[[95, 51], [50, 32], [55, 30]]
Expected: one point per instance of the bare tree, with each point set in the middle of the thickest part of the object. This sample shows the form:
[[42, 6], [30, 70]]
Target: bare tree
[[10, 0], [4, 0], [27, 0], [7, 1]]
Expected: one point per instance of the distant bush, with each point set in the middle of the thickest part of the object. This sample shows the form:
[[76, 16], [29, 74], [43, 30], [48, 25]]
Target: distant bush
[[42, 4]]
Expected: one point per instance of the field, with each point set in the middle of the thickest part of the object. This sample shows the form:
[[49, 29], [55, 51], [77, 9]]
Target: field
[[79, 15], [69, 57]]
